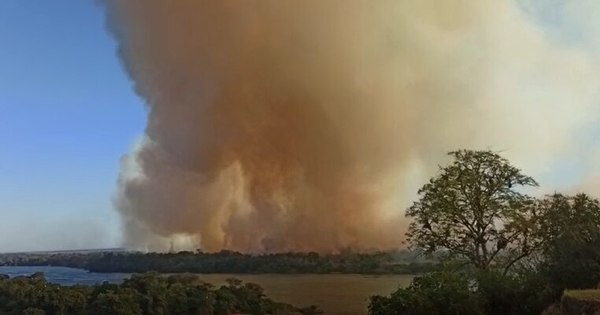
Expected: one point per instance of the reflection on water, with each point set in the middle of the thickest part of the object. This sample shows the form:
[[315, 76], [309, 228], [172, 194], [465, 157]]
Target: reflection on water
[[334, 293], [66, 276]]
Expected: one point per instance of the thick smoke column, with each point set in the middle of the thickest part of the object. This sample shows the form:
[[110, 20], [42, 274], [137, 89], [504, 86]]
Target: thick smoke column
[[301, 125]]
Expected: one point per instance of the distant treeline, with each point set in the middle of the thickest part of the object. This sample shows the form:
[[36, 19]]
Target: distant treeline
[[147, 293], [231, 262]]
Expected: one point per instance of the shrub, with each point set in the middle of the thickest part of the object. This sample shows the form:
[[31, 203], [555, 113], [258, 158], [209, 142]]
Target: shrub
[[441, 292]]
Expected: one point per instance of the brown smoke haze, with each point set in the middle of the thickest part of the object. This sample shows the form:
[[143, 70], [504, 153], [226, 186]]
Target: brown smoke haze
[[308, 125]]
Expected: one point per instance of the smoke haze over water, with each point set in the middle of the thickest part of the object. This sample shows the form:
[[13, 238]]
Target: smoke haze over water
[[309, 125]]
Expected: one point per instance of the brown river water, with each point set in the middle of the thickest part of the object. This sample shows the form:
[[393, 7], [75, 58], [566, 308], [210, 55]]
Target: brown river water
[[334, 293]]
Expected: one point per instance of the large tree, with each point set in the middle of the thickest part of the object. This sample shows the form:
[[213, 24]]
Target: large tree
[[475, 209]]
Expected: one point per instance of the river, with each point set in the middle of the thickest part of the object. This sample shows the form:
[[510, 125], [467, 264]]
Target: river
[[341, 294]]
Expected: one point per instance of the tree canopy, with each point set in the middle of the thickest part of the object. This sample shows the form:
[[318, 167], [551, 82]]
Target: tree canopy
[[570, 228], [475, 209]]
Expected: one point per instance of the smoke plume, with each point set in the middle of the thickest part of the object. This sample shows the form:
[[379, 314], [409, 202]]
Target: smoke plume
[[308, 125]]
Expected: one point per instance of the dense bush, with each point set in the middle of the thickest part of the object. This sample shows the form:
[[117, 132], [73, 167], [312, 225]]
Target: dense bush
[[514, 294], [450, 292], [571, 226], [442, 292]]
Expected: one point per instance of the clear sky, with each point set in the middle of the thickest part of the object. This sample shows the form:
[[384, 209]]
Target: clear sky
[[67, 115]]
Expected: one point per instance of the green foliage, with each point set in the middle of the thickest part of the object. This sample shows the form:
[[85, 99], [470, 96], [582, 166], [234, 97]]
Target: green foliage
[[513, 294], [120, 302], [450, 291], [570, 226], [474, 210], [33, 311], [142, 294], [442, 292]]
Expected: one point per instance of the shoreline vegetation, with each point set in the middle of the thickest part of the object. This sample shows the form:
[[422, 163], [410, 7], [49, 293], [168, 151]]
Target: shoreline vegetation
[[398, 262], [146, 293]]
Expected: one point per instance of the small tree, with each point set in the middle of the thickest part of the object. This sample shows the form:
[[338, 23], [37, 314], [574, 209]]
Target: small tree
[[473, 210], [570, 227]]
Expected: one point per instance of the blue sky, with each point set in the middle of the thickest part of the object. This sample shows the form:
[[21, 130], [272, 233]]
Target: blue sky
[[67, 115]]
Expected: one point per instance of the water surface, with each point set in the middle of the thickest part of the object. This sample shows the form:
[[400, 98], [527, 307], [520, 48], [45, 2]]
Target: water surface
[[64, 275]]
